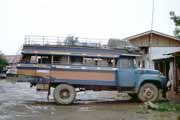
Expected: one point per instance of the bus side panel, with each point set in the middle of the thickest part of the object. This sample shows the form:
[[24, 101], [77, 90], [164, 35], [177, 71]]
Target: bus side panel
[[34, 72], [71, 76], [80, 77], [83, 75], [29, 72]]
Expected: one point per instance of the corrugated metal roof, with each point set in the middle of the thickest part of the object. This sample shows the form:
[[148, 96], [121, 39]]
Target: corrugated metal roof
[[174, 52], [163, 53]]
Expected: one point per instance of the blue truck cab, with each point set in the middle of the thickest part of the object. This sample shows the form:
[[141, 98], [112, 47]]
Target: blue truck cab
[[68, 68], [144, 82]]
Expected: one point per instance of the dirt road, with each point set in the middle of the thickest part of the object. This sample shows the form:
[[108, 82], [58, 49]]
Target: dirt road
[[20, 102]]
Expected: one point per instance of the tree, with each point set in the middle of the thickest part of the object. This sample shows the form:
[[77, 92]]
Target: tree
[[3, 62], [176, 20]]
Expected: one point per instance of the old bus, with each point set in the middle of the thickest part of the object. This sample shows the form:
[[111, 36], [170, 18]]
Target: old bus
[[87, 67]]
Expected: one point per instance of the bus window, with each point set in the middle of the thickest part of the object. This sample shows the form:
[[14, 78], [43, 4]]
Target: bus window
[[105, 62], [76, 60], [32, 59], [71, 60], [101, 62], [89, 61], [25, 59], [44, 59], [126, 63], [28, 59], [60, 59]]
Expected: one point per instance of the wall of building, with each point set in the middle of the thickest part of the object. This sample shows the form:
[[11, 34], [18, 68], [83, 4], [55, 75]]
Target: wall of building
[[155, 41], [153, 47]]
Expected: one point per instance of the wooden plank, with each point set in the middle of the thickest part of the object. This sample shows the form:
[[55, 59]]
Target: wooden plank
[[83, 75]]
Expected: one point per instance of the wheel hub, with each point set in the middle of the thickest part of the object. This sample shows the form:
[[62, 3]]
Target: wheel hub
[[148, 93], [64, 94]]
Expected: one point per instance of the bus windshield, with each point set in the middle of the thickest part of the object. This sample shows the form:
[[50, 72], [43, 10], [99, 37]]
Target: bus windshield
[[128, 62]]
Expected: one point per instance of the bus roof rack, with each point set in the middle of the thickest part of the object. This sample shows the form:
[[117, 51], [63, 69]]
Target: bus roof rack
[[65, 41]]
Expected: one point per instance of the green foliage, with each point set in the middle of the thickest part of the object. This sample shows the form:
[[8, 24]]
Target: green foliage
[[162, 107], [3, 61], [166, 106], [141, 109], [176, 20]]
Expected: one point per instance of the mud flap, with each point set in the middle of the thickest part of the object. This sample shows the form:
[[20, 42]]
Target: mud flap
[[49, 92]]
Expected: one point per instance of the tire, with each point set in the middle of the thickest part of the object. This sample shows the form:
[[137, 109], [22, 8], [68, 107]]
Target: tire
[[148, 92], [64, 94]]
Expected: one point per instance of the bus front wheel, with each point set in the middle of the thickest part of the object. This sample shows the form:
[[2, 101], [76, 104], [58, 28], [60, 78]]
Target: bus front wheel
[[148, 92]]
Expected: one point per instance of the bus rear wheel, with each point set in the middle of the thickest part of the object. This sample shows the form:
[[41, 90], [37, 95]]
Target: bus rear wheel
[[64, 94], [148, 92]]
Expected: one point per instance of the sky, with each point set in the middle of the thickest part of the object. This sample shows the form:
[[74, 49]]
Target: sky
[[101, 19]]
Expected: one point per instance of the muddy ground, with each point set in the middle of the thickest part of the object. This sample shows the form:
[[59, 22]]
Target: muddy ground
[[20, 102]]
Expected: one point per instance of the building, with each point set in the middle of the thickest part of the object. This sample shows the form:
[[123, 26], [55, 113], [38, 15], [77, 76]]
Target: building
[[13, 60], [169, 65], [153, 45]]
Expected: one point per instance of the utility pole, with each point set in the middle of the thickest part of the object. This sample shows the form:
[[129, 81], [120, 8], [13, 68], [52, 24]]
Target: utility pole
[[151, 35]]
